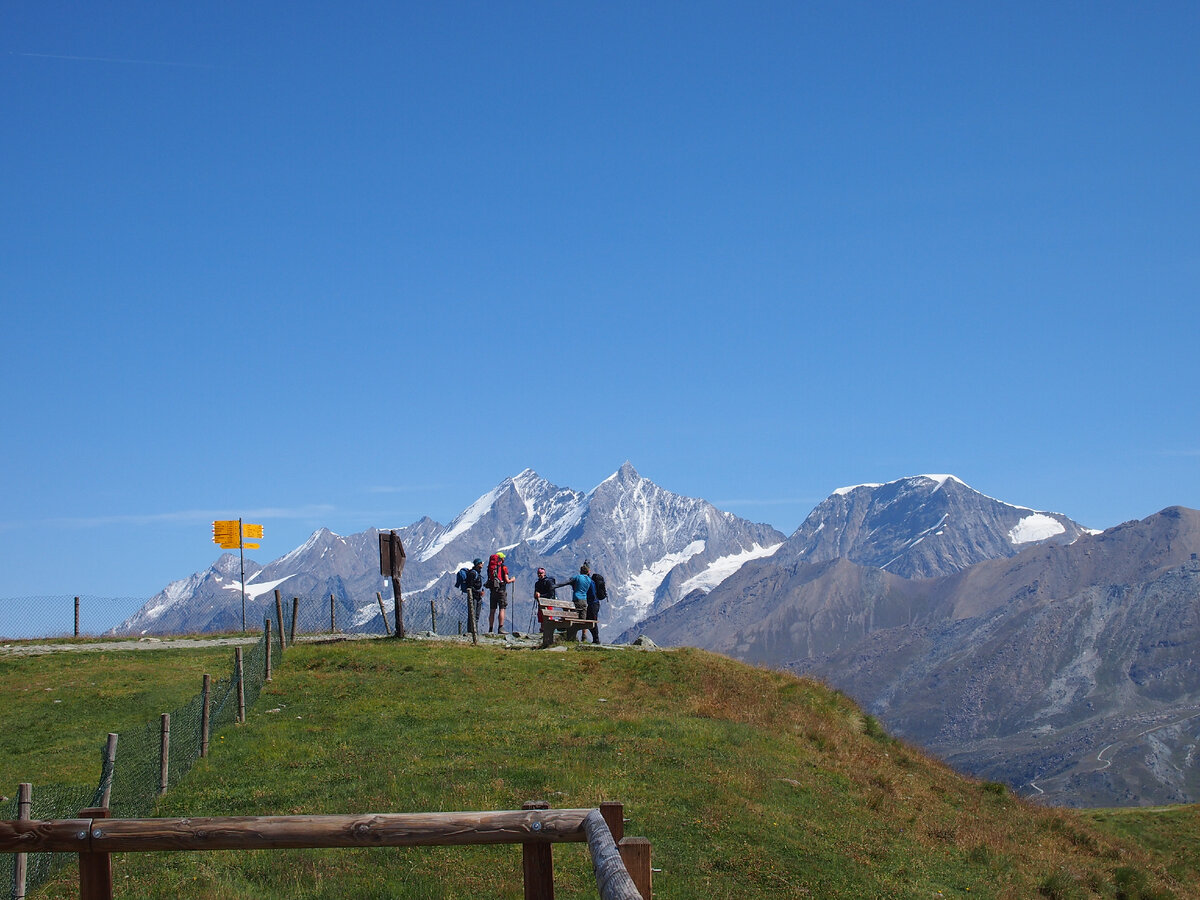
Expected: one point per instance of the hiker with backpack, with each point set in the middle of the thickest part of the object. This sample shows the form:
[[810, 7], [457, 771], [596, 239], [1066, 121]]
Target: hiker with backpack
[[598, 592], [581, 590], [470, 582], [497, 583]]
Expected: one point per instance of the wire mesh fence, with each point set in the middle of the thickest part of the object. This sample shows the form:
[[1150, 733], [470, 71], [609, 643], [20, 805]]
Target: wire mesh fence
[[337, 612], [135, 780], [445, 614]]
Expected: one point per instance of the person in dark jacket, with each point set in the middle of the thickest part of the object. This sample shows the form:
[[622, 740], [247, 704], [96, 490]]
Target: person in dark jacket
[[544, 586], [474, 595]]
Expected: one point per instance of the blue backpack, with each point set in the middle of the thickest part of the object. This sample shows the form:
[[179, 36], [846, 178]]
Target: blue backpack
[[462, 579]]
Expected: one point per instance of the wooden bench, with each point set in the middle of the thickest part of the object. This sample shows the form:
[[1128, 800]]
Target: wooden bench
[[559, 615]]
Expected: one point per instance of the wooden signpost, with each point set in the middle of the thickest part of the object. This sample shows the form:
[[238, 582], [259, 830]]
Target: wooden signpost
[[391, 565]]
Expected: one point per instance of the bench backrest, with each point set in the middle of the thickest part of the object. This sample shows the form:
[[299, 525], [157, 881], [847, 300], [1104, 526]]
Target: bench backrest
[[557, 609]]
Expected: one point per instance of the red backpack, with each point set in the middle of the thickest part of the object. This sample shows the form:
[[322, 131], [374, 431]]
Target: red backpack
[[496, 572]]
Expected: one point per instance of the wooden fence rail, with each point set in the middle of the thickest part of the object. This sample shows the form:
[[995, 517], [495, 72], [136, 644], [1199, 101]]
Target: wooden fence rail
[[95, 836]]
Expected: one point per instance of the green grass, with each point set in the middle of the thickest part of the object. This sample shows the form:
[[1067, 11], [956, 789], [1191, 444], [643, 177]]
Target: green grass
[[56, 710], [748, 783], [1172, 832]]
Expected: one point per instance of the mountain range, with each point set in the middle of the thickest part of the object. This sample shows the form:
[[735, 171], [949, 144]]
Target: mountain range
[[652, 545], [1015, 643], [1063, 665]]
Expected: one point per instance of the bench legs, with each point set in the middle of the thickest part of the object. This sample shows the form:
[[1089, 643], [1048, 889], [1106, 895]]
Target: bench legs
[[548, 629]]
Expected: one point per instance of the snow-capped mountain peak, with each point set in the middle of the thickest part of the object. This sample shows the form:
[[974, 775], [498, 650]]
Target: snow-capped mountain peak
[[921, 526]]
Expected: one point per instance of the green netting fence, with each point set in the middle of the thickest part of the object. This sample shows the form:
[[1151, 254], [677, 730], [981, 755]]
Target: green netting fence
[[136, 778]]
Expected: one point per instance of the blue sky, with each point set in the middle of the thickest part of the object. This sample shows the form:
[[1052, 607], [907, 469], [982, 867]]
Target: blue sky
[[348, 267]]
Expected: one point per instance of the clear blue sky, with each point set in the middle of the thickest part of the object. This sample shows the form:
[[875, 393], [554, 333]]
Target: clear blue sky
[[350, 266]]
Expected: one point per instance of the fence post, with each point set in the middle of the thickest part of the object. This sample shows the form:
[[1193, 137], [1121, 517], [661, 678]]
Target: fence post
[[110, 759], [164, 753], [295, 616], [204, 715], [241, 684], [635, 853], [279, 621], [383, 613], [95, 869], [267, 631], [432, 616], [21, 862], [332, 615], [76, 617], [614, 818], [537, 863]]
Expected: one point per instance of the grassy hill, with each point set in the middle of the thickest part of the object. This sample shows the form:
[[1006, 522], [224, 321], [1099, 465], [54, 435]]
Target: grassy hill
[[749, 783]]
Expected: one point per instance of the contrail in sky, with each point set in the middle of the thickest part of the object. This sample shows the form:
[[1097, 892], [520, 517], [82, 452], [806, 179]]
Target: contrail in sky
[[111, 59]]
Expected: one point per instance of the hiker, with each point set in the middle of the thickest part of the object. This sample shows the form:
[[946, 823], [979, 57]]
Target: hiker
[[544, 586], [581, 585], [498, 581], [470, 582], [598, 592]]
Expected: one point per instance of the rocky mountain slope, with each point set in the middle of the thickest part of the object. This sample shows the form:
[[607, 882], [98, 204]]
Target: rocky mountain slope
[[1066, 670]]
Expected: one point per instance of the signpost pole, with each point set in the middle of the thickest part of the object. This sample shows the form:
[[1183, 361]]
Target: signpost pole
[[391, 565], [242, 554]]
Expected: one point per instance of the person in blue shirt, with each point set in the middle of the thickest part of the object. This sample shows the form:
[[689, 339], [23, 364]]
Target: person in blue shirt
[[581, 588]]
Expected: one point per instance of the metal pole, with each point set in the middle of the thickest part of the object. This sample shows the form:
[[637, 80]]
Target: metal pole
[[164, 753], [242, 554]]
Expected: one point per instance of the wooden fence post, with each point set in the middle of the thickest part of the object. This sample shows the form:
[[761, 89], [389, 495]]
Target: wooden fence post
[[295, 616], [21, 863], [267, 632], [383, 612], [164, 753], [635, 853], [279, 620], [614, 818], [110, 757], [432, 616], [241, 684], [332, 615], [95, 869], [204, 713], [76, 617], [537, 864]]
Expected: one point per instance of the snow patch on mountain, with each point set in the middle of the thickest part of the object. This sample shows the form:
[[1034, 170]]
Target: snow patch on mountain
[[254, 591], [843, 491], [464, 522], [938, 480], [724, 566], [641, 587], [1037, 527], [559, 526], [311, 544], [172, 595]]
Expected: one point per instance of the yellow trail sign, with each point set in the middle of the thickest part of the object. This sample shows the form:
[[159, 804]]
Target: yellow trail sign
[[228, 534]]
